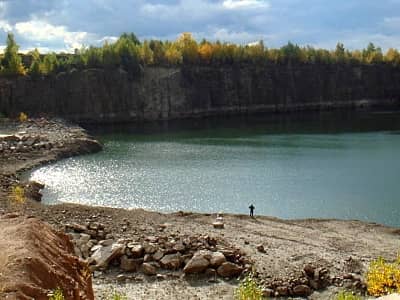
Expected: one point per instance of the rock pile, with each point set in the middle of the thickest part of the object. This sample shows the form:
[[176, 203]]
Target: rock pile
[[153, 255]]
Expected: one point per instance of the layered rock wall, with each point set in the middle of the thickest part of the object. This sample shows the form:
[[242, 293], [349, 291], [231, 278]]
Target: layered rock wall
[[96, 95]]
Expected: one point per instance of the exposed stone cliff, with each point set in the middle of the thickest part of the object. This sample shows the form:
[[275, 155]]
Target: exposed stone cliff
[[167, 93]]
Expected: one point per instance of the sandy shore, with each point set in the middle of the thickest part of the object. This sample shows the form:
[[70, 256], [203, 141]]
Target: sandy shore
[[343, 248]]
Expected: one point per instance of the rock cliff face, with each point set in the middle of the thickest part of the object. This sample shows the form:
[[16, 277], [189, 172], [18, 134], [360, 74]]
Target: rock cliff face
[[167, 93]]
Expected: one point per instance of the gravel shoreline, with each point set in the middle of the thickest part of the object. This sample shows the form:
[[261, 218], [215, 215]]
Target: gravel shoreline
[[293, 249]]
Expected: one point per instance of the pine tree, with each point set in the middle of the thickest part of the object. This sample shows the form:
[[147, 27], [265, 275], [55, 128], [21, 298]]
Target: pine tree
[[12, 63]]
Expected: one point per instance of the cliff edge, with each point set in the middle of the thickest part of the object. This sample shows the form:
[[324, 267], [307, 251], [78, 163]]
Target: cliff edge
[[161, 93]]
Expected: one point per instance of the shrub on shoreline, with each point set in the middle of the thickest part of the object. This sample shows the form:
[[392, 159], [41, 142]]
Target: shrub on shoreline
[[383, 277]]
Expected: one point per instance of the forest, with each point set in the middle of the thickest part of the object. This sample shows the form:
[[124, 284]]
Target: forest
[[131, 54]]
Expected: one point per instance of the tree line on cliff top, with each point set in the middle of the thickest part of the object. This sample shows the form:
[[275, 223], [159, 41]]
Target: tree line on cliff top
[[131, 55]]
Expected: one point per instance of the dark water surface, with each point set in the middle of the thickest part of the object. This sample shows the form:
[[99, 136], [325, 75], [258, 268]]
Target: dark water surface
[[331, 165]]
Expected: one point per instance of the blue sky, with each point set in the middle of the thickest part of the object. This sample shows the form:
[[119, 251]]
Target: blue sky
[[62, 25]]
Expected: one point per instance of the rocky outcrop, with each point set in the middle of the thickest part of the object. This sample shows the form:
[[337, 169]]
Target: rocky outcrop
[[35, 260], [159, 93]]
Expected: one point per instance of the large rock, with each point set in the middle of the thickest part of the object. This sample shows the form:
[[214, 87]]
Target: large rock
[[149, 269], [217, 259], [103, 255], [197, 264], [228, 269], [35, 259], [171, 261]]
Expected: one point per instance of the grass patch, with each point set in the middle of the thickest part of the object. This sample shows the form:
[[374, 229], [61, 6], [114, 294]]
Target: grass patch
[[346, 295]]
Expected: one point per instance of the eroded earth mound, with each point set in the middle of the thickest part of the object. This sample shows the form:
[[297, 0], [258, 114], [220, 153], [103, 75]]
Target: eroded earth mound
[[36, 260]]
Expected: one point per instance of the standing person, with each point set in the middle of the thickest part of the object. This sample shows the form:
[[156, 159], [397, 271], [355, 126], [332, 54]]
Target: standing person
[[252, 207]]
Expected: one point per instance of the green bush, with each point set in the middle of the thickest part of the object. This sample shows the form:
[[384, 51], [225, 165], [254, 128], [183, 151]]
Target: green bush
[[248, 289]]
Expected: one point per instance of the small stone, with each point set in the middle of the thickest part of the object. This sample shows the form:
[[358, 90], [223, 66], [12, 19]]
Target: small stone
[[282, 290], [267, 292], [106, 242], [122, 277], [161, 277], [218, 225], [260, 248], [302, 290]]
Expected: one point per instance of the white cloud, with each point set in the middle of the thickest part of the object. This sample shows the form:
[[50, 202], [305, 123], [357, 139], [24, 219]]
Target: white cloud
[[41, 31], [244, 4], [108, 39], [226, 35], [5, 26]]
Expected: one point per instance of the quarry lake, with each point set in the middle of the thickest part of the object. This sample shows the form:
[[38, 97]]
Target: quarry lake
[[326, 165]]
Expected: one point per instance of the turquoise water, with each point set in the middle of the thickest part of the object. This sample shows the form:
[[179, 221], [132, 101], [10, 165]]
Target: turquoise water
[[324, 166]]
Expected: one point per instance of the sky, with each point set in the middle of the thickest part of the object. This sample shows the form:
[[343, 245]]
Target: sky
[[63, 25]]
